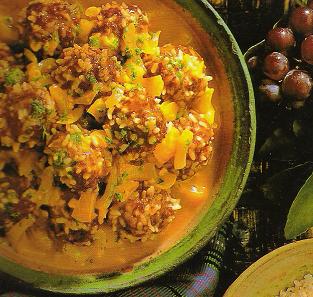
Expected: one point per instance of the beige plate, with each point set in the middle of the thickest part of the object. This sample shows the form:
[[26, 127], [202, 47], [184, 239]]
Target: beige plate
[[275, 271]]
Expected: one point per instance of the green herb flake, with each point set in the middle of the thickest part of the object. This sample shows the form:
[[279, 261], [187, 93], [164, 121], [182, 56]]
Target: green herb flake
[[118, 197], [76, 137], [14, 76], [58, 158], [108, 140], [94, 41], [38, 110], [123, 133], [138, 51], [115, 43], [91, 78]]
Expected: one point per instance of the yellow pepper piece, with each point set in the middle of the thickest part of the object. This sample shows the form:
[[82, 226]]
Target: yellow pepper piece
[[129, 42], [84, 208], [86, 27], [30, 56], [111, 41], [183, 144], [99, 137], [151, 44], [154, 86], [167, 179], [135, 69], [72, 117], [87, 98], [169, 110], [97, 109], [63, 102], [204, 105], [165, 150], [33, 72], [126, 189]]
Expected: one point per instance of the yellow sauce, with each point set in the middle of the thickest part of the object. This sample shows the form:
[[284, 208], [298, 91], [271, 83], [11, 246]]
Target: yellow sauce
[[37, 251]]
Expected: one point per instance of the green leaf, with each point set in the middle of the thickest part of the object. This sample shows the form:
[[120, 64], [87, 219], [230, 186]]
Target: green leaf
[[300, 217], [282, 187]]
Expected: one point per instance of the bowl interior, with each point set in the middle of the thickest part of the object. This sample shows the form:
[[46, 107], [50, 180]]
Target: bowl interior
[[237, 119], [274, 272]]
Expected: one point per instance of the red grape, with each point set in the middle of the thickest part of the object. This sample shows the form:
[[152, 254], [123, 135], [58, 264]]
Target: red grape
[[280, 39], [275, 66], [301, 20], [307, 49], [297, 85], [270, 91]]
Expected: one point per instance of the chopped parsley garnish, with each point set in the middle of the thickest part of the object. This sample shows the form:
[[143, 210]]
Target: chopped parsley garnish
[[91, 78], [123, 133], [94, 41], [138, 51], [108, 140], [59, 157], [114, 43], [176, 63], [118, 196], [38, 110], [76, 137], [14, 76]]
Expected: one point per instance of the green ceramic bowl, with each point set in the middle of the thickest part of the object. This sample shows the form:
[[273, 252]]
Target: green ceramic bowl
[[274, 272], [241, 106]]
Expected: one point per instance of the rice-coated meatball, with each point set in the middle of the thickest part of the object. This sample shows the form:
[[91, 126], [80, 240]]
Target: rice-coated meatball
[[27, 113], [183, 73], [50, 25], [85, 69], [147, 211], [80, 158]]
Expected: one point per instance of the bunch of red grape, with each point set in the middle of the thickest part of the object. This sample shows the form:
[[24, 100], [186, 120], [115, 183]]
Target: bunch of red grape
[[285, 67]]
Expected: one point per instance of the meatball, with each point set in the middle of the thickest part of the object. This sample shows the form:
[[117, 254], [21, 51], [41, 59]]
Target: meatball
[[183, 73], [187, 146], [85, 70], [50, 25], [63, 226], [136, 123], [146, 212], [80, 158], [26, 115], [110, 22]]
